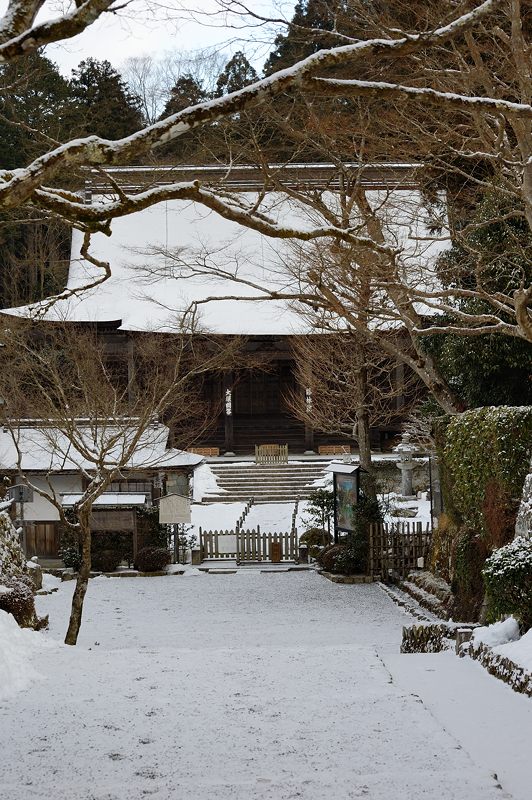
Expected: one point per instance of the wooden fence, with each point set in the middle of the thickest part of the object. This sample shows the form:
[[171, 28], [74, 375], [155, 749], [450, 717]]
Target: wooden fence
[[243, 515], [394, 549], [271, 453], [248, 546]]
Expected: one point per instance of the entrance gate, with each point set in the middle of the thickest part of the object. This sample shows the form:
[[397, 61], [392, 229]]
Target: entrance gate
[[242, 546]]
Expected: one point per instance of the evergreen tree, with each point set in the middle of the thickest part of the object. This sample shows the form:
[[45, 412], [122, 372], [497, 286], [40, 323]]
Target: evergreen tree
[[33, 100], [302, 37], [186, 92], [488, 369], [102, 103], [237, 73], [34, 250]]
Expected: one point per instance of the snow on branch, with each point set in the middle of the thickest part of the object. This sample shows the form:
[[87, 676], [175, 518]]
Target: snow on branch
[[19, 35], [399, 91], [19, 186]]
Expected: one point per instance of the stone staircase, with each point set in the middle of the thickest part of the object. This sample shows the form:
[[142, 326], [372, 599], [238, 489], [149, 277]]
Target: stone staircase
[[282, 483]]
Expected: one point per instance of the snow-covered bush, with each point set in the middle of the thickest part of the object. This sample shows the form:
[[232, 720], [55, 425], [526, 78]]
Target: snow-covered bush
[[483, 457], [152, 559], [12, 561], [16, 584], [16, 597], [508, 579]]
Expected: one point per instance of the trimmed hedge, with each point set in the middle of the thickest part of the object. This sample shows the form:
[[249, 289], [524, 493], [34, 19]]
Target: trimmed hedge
[[152, 559], [508, 578], [487, 450], [484, 457]]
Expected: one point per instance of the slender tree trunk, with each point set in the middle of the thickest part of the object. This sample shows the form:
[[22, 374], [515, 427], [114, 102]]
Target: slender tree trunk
[[82, 579], [362, 419]]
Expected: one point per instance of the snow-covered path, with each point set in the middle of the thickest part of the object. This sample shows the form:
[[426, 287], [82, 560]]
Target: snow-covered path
[[248, 687]]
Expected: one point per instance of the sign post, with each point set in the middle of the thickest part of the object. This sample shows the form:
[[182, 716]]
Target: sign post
[[346, 486], [174, 510]]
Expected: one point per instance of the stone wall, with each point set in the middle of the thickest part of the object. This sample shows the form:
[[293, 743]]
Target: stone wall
[[388, 476]]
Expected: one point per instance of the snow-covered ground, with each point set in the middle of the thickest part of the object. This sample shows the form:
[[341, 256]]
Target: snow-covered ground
[[254, 687], [272, 517], [215, 516]]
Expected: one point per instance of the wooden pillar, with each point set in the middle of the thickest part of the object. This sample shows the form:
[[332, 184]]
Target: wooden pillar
[[227, 385]]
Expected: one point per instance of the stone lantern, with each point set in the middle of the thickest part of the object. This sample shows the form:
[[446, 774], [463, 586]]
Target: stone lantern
[[406, 451]]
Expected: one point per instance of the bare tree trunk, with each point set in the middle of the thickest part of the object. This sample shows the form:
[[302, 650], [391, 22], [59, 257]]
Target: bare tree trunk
[[362, 417], [82, 579]]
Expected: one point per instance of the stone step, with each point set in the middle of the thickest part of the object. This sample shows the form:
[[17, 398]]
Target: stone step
[[243, 498], [254, 469], [266, 482], [299, 476]]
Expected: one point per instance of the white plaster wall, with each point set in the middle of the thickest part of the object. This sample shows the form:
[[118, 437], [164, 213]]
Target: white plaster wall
[[41, 510]]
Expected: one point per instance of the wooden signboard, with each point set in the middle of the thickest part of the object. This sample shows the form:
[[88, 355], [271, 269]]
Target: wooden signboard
[[276, 552], [174, 509]]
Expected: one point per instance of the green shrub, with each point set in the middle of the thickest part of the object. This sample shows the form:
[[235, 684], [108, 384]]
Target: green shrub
[[508, 579], [320, 509], [110, 548], [71, 557], [152, 559], [353, 558], [150, 533], [485, 455], [315, 537], [467, 583], [106, 560], [327, 558]]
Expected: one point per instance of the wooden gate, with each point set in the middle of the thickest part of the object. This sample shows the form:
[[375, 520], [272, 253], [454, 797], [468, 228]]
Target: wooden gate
[[396, 548], [42, 539], [251, 546]]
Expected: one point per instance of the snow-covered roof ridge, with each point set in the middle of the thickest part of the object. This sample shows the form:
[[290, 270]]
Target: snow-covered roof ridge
[[158, 255], [48, 449], [250, 177]]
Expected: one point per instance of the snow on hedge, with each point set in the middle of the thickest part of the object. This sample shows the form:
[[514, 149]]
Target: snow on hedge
[[500, 633], [520, 651], [12, 561]]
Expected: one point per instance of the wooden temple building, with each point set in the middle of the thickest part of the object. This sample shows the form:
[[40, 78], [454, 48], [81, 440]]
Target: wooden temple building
[[148, 251]]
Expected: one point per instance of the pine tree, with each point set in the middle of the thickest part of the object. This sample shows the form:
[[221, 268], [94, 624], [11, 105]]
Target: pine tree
[[237, 73], [187, 91], [102, 103], [33, 97], [33, 250]]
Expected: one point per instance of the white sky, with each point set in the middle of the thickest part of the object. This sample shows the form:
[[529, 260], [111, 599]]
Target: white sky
[[156, 26]]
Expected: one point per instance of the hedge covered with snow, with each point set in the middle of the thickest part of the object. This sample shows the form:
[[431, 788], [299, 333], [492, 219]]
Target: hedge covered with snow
[[16, 584], [484, 459], [487, 447], [12, 561], [508, 578]]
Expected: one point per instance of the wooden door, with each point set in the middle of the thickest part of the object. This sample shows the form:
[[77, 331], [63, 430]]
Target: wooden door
[[42, 539]]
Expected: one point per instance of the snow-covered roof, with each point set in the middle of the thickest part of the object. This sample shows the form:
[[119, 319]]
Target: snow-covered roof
[[199, 234], [47, 449], [108, 499]]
